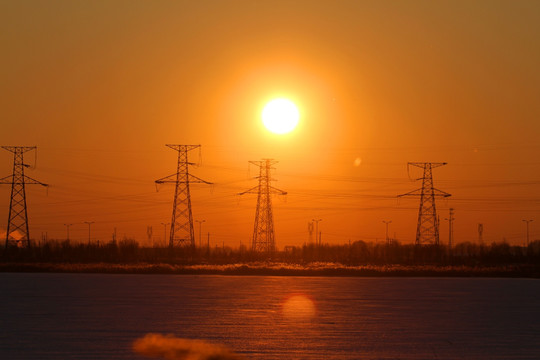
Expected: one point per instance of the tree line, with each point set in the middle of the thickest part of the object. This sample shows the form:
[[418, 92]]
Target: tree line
[[128, 251]]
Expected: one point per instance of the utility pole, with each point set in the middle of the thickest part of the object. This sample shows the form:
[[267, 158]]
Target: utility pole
[[182, 217], [450, 229], [89, 223], [263, 230], [317, 234], [387, 222], [427, 229], [67, 229], [527, 222], [18, 214], [200, 229]]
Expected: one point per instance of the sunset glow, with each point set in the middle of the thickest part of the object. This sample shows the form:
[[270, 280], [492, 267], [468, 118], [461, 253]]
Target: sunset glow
[[280, 116], [306, 179], [342, 94]]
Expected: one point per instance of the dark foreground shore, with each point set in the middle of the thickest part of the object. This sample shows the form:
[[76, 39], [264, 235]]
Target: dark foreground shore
[[281, 269]]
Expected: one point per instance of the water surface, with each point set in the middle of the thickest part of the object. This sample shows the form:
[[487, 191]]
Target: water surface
[[98, 316]]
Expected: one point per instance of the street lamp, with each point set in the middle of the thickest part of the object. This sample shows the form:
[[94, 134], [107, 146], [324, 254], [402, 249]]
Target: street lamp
[[527, 221], [317, 235], [200, 227], [89, 223], [450, 219], [387, 222], [165, 235], [67, 228]]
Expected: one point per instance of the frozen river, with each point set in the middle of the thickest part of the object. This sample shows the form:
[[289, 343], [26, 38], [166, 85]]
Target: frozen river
[[87, 316]]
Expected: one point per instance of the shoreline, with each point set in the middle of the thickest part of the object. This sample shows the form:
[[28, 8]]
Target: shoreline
[[280, 269]]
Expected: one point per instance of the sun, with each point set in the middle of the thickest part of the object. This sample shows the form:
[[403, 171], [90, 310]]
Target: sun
[[280, 116]]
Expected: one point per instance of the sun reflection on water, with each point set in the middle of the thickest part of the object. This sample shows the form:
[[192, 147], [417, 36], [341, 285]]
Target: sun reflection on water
[[298, 306]]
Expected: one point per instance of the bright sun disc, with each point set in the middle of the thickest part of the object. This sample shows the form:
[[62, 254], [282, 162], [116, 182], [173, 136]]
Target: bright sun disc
[[280, 116]]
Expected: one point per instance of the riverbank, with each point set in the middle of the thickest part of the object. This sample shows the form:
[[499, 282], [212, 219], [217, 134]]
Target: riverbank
[[282, 269]]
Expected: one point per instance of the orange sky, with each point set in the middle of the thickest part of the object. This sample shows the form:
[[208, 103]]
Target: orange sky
[[101, 87]]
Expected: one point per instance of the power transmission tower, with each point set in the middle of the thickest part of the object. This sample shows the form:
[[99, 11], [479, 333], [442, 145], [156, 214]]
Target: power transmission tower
[[18, 215], [182, 219], [263, 230], [427, 230]]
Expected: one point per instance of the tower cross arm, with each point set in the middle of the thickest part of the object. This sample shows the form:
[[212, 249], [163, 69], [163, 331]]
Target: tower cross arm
[[22, 148], [29, 180], [253, 190], [174, 178], [418, 192], [270, 162], [438, 192], [7, 179], [195, 179], [167, 179], [277, 191], [421, 164], [182, 147]]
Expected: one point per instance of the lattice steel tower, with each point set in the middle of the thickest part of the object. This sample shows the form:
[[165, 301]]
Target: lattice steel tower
[[427, 230], [263, 230], [18, 214], [182, 219]]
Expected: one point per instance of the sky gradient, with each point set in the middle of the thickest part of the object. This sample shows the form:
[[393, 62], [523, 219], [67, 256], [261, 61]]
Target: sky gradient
[[101, 86]]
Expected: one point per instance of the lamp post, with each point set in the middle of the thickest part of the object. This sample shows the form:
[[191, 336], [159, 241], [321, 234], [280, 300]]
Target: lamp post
[[450, 219], [67, 229], [527, 222], [165, 233], [387, 222], [200, 227], [317, 235], [89, 223]]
